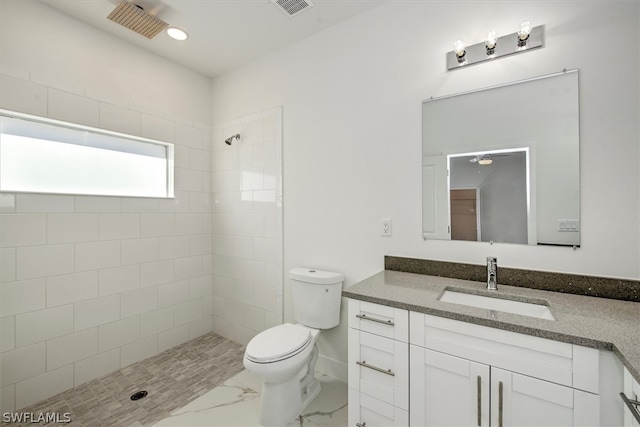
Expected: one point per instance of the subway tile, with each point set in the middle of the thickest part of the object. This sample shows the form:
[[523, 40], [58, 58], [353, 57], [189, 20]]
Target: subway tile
[[139, 350], [207, 223], [7, 399], [200, 287], [73, 108], [70, 288], [96, 312], [22, 296], [252, 130], [230, 224], [119, 226], [173, 337], [23, 230], [156, 321], [45, 385], [23, 96], [7, 333], [71, 348], [22, 363], [253, 318], [234, 246], [207, 265], [265, 249], [264, 154], [138, 204], [200, 327], [223, 287], [200, 201], [187, 312], [190, 136], [40, 261], [118, 333], [188, 180], [119, 119], [118, 279], [7, 265], [68, 228], [252, 179], [253, 271], [188, 223], [137, 251], [157, 224], [180, 203], [181, 157], [253, 225], [199, 160], [97, 204], [42, 325], [228, 266], [200, 244], [95, 255], [173, 293], [36, 203], [138, 301], [243, 293], [7, 202], [188, 268], [157, 128], [96, 366], [173, 247], [207, 306], [265, 298], [156, 273]]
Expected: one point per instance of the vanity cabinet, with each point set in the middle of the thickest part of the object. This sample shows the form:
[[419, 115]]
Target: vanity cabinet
[[632, 393], [465, 374], [378, 365]]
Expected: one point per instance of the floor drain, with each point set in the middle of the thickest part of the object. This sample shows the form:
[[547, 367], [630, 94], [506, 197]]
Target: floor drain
[[139, 395]]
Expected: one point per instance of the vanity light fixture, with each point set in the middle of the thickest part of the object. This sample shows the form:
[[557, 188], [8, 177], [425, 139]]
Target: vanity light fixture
[[177, 33], [525, 39]]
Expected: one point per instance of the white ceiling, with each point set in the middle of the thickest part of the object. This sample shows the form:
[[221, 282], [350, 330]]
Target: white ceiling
[[223, 34]]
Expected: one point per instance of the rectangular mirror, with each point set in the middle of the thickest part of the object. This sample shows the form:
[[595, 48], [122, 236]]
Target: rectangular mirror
[[502, 164]]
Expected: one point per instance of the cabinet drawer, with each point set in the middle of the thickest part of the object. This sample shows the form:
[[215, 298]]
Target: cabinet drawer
[[379, 368], [379, 319], [366, 411], [554, 361]]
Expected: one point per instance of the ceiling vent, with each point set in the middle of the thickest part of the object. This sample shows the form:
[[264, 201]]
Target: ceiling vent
[[293, 7], [136, 19]]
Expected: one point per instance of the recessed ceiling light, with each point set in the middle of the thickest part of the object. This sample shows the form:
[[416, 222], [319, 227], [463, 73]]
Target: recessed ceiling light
[[176, 33]]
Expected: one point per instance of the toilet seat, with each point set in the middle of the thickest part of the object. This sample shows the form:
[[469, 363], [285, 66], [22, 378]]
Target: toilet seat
[[278, 343]]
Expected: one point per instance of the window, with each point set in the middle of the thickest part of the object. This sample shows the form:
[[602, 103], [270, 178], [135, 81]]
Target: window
[[39, 155]]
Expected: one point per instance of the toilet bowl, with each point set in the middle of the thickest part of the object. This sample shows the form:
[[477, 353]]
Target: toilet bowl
[[284, 356]]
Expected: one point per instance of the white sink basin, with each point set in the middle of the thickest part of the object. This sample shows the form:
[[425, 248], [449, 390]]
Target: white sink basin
[[539, 311]]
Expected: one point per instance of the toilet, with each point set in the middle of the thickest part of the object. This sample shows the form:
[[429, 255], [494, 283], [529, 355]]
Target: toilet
[[284, 356]]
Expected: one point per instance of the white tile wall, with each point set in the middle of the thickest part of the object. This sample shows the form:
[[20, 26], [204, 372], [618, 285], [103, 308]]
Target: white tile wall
[[89, 284], [247, 226]]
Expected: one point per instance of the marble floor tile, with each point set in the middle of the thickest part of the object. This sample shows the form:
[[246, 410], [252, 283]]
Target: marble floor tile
[[237, 403]]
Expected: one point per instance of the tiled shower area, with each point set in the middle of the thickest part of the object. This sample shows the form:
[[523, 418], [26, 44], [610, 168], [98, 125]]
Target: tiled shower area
[[90, 285]]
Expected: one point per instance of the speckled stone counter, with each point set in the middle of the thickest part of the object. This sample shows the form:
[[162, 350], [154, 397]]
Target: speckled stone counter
[[588, 321]]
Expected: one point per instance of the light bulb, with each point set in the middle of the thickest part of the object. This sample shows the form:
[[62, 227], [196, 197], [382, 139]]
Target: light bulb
[[525, 30], [458, 48], [490, 43], [176, 33]]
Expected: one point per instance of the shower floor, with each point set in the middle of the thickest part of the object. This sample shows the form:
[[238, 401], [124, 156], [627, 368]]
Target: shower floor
[[173, 379]]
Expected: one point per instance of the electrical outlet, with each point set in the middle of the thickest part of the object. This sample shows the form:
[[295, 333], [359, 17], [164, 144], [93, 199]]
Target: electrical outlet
[[385, 227]]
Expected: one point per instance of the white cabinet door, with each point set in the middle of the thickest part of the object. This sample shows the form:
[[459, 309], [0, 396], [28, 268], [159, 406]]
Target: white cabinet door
[[518, 400], [447, 390]]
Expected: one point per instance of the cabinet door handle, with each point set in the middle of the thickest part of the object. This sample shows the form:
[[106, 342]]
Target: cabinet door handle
[[361, 424], [479, 410], [633, 405], [373, 319], [375, 368], [500, 387]]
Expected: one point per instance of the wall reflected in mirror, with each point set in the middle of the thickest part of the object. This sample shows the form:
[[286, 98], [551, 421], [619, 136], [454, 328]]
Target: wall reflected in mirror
[[502, 164]]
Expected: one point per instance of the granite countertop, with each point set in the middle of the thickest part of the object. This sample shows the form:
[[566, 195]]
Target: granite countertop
[[588, 321]]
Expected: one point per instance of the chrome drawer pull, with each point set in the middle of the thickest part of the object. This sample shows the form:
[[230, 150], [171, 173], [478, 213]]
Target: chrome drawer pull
[[373, 319], [375, 368], [500, 392], [479, 409], [361, 424], [633, 405]]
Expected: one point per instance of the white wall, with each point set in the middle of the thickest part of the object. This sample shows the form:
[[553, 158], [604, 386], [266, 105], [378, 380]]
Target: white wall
[[352, 132], [91, 284]]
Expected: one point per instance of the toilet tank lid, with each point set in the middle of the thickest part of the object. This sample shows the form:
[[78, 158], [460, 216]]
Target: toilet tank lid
[[311, 275]]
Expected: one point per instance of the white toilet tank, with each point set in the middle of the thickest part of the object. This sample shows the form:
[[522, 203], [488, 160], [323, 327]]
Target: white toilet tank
[[316, 297]]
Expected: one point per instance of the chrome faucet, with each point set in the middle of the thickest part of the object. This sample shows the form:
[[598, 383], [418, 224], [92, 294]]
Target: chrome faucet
[[492, 273]]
